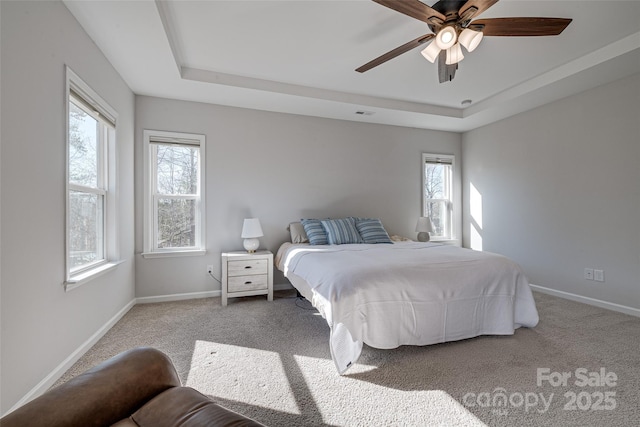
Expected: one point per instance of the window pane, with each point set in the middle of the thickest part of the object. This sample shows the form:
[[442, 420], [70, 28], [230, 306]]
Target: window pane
[[439, 215], [85, 228], [434, 181], [176, 223], [177, 169], [83, 147]]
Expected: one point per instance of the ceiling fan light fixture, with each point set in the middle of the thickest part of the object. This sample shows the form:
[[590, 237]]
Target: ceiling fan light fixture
[[453, 24], [454, 54], [446, 38], [470, 39], [431, 52]]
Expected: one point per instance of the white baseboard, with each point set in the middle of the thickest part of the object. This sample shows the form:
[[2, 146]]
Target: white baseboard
[[178, 297], [54, 375], [195, 295], [586, 300]]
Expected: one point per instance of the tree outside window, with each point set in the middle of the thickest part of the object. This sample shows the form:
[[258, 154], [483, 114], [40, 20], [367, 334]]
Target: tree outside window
[[87, 189], [174, 208], [177, 169], [437, 194]]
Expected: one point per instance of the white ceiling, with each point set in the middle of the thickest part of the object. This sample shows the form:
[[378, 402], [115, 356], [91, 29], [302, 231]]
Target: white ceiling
[[299, 57]]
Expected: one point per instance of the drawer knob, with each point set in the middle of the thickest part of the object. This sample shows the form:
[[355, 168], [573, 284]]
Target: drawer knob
[[247, 283], [247, 266]]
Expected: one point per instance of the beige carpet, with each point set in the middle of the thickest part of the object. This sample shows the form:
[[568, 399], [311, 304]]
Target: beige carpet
[[271, 361]]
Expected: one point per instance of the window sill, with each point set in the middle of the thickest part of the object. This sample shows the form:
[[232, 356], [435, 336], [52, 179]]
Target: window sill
[[169, 254], [80, 279], [454, 242]]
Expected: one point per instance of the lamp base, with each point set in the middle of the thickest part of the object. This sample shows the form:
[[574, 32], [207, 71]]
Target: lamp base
[[251, 245], [423, 236]]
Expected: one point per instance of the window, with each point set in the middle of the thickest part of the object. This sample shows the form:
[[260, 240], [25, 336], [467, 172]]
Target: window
[[90, 229], [437, 202], [174, 189]]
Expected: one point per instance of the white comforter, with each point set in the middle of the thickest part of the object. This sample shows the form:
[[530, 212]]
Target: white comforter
[[411, 293]]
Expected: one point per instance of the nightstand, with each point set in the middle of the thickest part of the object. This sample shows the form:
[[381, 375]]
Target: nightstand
[[245, 274]]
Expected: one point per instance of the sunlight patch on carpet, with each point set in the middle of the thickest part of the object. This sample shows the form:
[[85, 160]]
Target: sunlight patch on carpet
[[248, 375], [399, 407]]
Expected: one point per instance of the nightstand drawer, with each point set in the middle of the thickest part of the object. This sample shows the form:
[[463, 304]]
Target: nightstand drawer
[[247, 283], [247, 267]]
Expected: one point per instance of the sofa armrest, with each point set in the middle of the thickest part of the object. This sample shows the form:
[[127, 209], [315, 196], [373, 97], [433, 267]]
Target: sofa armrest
[[103, 395], [187, 407]]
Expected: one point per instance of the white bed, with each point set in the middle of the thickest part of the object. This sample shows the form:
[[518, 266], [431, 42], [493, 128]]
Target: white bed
[[408, 293]]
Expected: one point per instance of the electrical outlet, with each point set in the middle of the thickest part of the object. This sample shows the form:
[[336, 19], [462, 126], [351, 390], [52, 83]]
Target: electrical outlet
[[210, 269], [588, 273], [598, 275]]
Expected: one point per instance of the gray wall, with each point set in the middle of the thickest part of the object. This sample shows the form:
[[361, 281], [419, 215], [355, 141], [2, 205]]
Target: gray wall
[[560, 191], [41, 324], [279, 168]]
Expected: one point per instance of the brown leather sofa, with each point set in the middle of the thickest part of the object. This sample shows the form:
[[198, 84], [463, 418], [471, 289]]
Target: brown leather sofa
[[139, 387]]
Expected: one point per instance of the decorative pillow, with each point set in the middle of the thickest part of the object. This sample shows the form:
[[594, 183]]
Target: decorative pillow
[[341, 231], [372, 231], [315, 231], [297, 233]]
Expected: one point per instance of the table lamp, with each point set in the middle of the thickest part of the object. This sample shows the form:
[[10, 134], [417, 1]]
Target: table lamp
[[251, 230]]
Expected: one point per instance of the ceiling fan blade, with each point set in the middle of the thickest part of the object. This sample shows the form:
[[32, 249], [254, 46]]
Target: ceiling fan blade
[[395, 52], [446, 73], [415, 9], [480, 6], [514, 27]]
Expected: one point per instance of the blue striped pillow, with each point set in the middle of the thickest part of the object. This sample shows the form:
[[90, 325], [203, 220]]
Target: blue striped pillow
[[315, 231], [372, 231], [341, 231]]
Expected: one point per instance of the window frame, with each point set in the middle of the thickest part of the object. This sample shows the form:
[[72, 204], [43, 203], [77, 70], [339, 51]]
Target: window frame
[[152, 139], [450, 160], [84, 97]]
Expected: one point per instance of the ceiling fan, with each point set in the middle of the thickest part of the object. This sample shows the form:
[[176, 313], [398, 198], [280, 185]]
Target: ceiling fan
[[451, 24]]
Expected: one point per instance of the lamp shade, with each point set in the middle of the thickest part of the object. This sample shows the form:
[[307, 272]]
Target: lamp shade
[[431, 52], [470, 39], [446, 38], [251, 228], [424, 225], [454, 54]]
